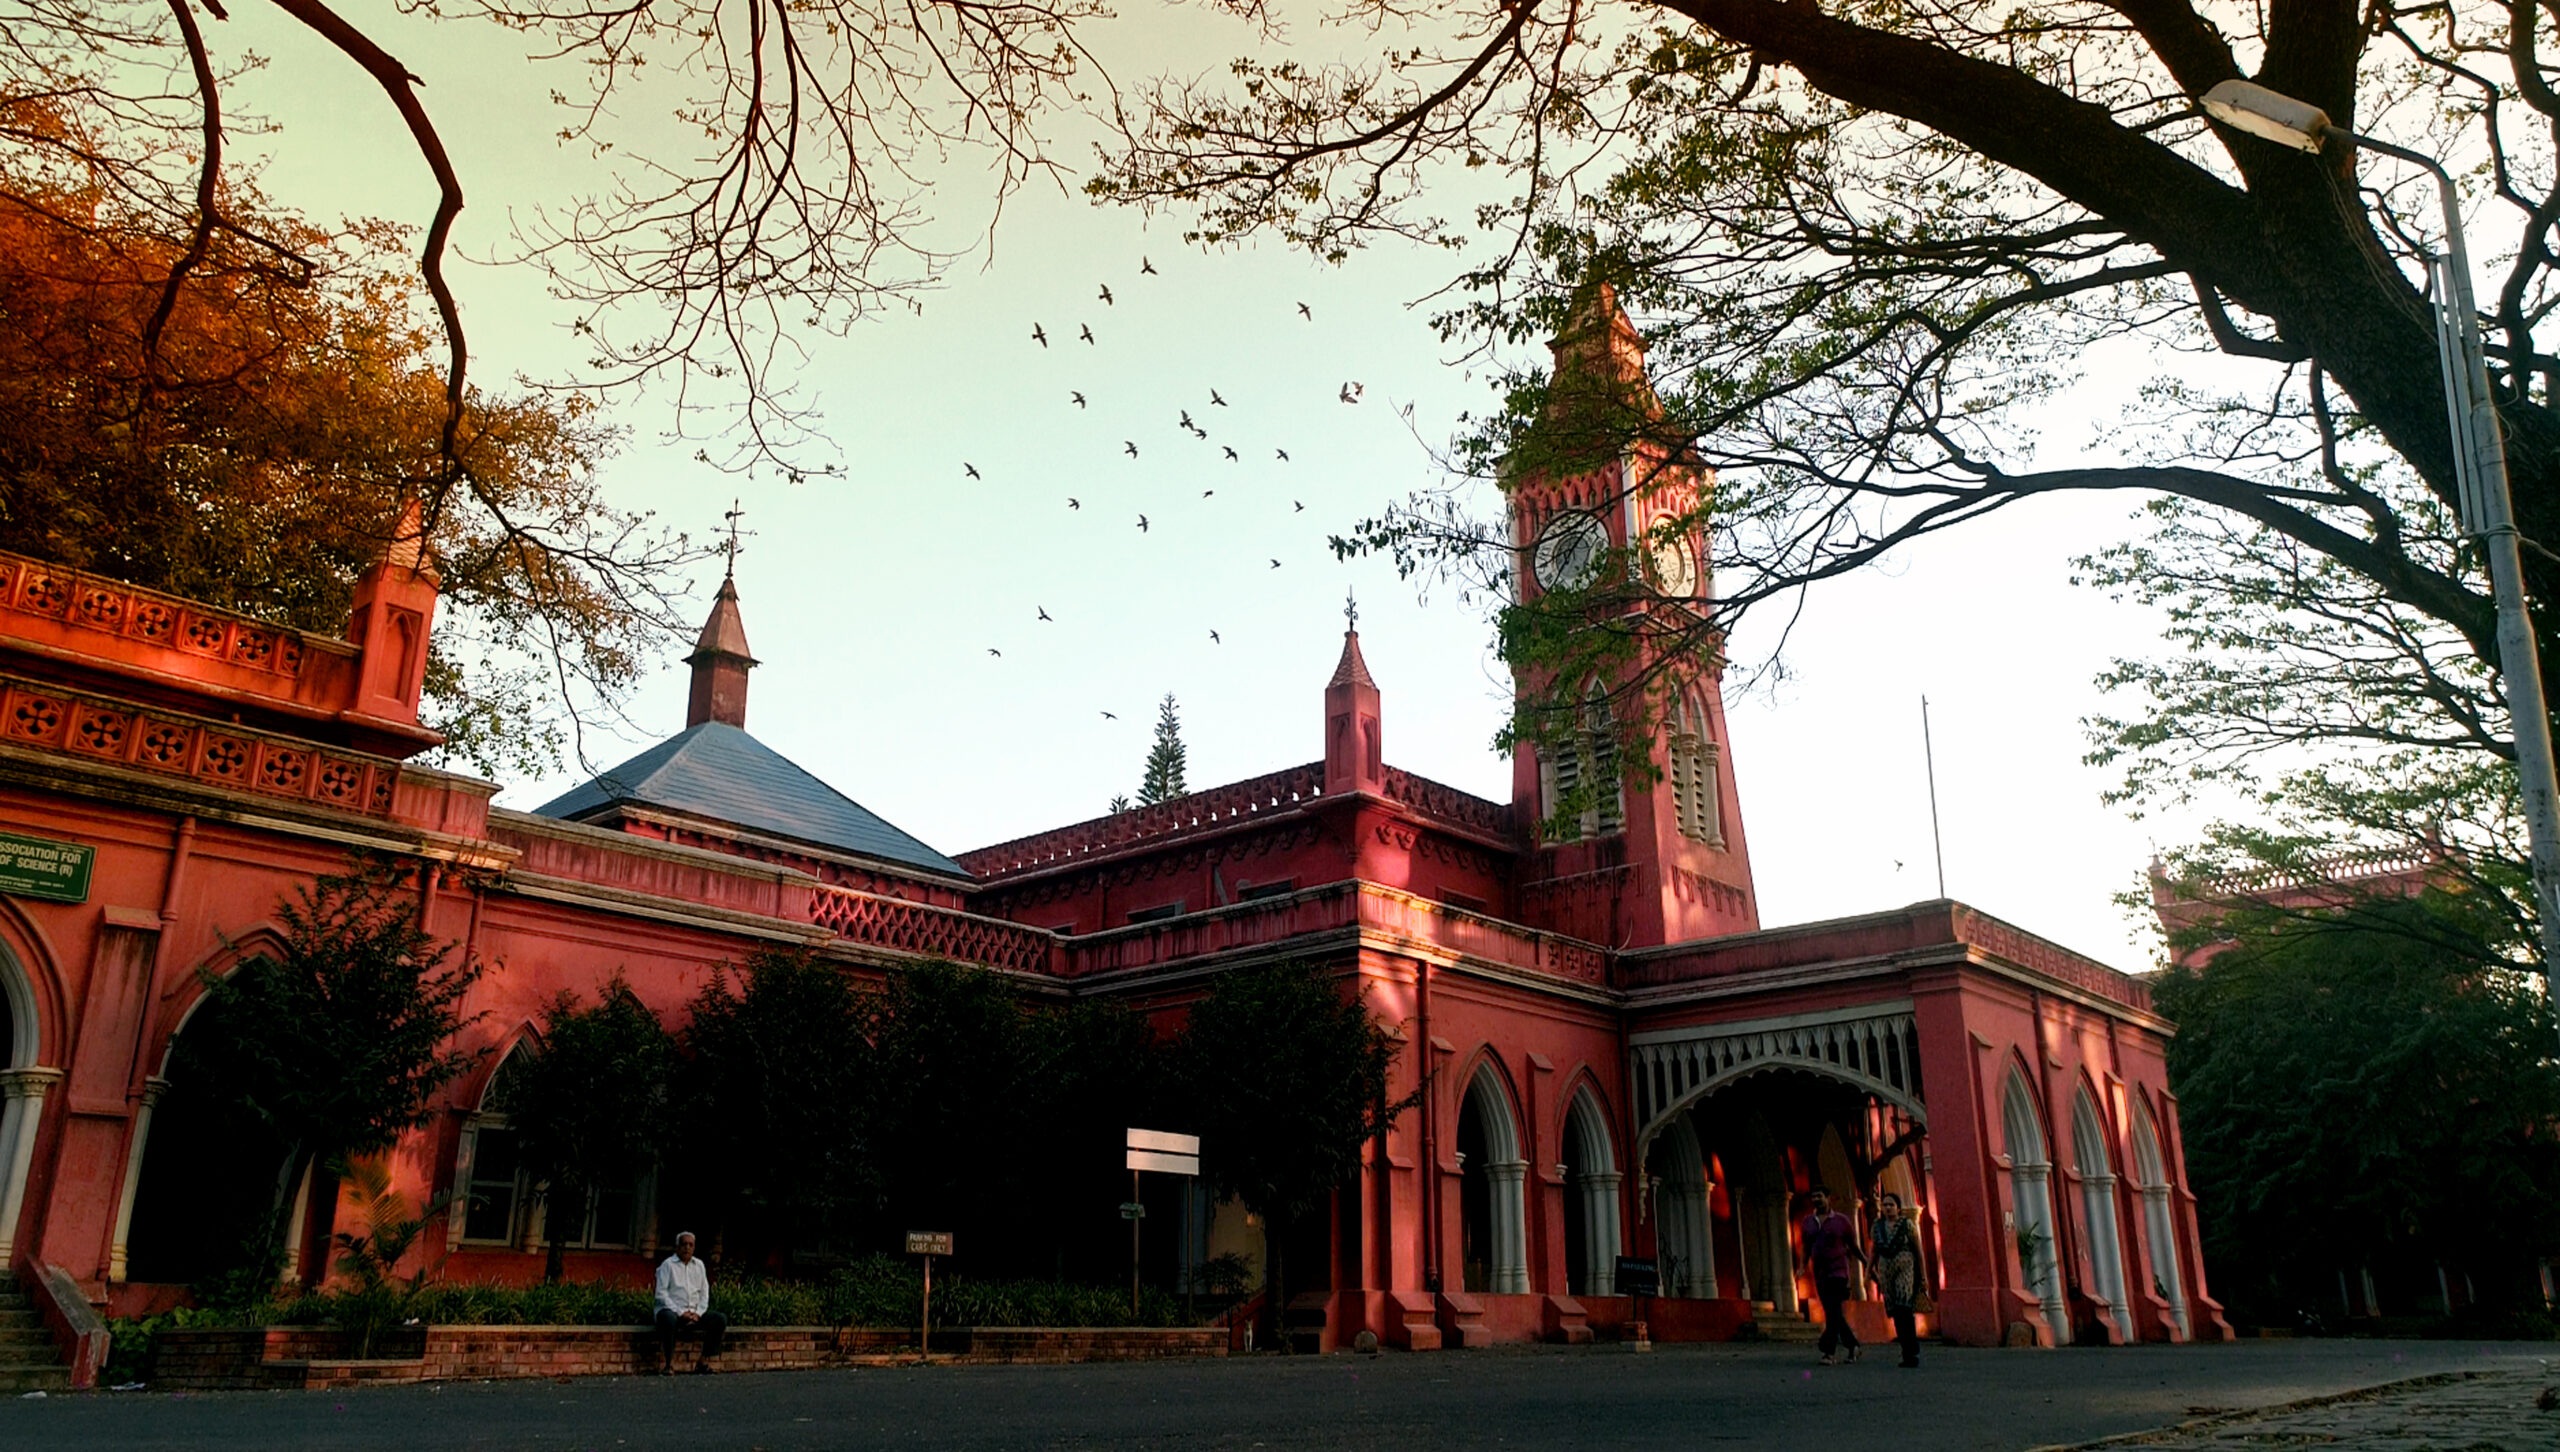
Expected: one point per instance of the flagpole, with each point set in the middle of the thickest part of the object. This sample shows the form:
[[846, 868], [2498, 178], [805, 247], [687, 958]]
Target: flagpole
[[1929, 754]]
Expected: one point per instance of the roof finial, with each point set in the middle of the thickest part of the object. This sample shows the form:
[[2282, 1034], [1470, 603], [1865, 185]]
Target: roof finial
[[735, 511], [1350, 613]]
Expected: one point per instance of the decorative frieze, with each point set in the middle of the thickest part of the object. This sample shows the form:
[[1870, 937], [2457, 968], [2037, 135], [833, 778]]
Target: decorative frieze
[[208, 753], [48, 591]]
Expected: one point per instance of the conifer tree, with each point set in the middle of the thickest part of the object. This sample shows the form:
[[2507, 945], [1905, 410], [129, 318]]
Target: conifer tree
[[1165, 761]]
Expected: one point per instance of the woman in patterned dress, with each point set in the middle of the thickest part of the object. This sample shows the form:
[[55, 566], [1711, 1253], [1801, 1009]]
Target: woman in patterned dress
[[1895, 1257]]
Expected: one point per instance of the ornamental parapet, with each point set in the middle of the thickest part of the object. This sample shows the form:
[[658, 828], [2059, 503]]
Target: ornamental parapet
[[1224, 806], [1280, 791], [935, 932], [1924, 932], [1365, 909], [184, 651], [40, 716]]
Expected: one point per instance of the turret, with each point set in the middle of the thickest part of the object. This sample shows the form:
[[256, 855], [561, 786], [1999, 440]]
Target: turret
[[394, 606], [720, 664], [1354, 753]]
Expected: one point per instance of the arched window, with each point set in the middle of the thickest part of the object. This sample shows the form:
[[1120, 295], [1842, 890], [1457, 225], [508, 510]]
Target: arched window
[[1591, 1200], [2098, 1208], [2031, 1195], [1492, 1180], [1590, 756], [503, 1205], [1684, 1224], [1696, 795], [2159, 1216]]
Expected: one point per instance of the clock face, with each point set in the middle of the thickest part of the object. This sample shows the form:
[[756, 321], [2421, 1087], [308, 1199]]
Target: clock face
[[1568, 554], [1675, 568]]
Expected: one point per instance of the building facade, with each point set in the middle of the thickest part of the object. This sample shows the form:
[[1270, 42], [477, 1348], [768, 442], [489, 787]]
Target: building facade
[[1616, 1058]]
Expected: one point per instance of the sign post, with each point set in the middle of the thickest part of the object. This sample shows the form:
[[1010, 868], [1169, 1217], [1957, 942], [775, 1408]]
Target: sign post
[[1172, 1154], [1640, 1280], [927, 1243]]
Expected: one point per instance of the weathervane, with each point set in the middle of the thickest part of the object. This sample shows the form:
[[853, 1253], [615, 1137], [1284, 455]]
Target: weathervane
[[1350, 613], [735, 511]]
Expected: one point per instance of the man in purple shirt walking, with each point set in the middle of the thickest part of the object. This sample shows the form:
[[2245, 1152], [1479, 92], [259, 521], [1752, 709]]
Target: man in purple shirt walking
[[1830, 1243]]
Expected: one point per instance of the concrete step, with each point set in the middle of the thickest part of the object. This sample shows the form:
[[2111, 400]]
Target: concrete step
[[19, 1380], [25, 1343], [1788, 1328]]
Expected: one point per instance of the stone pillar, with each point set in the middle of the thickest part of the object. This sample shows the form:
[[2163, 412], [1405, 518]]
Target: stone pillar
[[1509, 1273], [21, 1112], [137, 1141], [2160, 1227], [1686, 1233], [1600, 1223]]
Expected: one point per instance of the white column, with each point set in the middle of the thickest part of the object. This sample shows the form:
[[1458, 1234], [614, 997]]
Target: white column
[[2106, 1250], [2035, 1208], [20, 1114], [1509, 1273], [134, 1146], [2164, 1254], [1600, 1226], [1684, 1216]]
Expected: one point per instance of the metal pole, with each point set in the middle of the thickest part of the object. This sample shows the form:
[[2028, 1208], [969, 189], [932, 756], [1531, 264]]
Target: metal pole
[[1190, 1254], [1134, 1223], [1929, 754], [2480, 464], [924, 1335]]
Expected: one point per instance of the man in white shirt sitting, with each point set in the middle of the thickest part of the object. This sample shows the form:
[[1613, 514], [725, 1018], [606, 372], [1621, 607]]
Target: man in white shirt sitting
[[684, 1307]]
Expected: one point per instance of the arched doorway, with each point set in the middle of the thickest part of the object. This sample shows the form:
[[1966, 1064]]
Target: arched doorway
[[2030, 1186], [1684, 1211], [2159, 1218], [1492, 1177], [23, 1084], [204, 1204], [2098, 1209], [1590, 1200]]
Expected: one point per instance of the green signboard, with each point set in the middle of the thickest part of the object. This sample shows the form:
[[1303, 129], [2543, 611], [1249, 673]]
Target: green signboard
[[34, 867]]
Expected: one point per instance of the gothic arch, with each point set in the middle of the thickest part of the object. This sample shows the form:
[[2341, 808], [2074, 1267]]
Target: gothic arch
[[24, 1083], [189, 993], [2094, 1165], [1875, 1052], [31, 980], [2159, 1213], [490, 1203], [1493, 1185], [1591, 1194], [2031, 1198], [1684, 1219], [1695, 761]]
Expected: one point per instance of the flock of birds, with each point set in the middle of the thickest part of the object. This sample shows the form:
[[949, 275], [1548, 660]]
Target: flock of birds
[[1350, 392]]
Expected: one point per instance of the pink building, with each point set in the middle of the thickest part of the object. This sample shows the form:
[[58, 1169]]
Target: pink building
[[1623, 1061]]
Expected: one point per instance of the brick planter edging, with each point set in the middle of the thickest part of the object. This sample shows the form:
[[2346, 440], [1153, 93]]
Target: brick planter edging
[[284, 1357]]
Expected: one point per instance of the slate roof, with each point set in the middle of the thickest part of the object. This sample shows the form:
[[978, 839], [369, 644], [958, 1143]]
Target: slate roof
[[719, 772]]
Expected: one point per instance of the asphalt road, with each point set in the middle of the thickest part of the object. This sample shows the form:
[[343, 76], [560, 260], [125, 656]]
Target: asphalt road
[[1678, 1397]]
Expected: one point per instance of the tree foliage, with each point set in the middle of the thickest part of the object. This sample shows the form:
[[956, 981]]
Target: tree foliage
[[2358, 1091], [238, 417], [1165, 759], [1285, 1081], [774, 1074], [335, 1041], [590, 1106]]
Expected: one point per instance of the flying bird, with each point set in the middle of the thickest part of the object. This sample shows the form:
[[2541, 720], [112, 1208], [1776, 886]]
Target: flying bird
[[1214, 398], [1085, 330], [1142, 524], [1214, 640], [1078, 397], [1300, 509], [1044, 612], [1131, 445], [1186, 420], [1275, 564], [1106, 294], [1283, 453], [1149, 269], [991, 650], [1230, 448], [1205, 493], [1110, 716], [1351, 392], [1039, 336], [1074, 503], [1302, 312], [972, 468]]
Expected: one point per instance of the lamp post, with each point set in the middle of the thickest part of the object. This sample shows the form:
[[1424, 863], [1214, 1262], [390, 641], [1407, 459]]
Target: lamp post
[[2480, 469]]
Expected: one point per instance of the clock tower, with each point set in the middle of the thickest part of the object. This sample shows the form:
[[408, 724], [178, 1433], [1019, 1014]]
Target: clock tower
[[1604, 500]]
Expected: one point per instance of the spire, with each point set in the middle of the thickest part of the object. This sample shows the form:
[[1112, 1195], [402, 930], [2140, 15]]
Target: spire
[[1599, 398], [393, 608], [720, 663], [1353, 723]]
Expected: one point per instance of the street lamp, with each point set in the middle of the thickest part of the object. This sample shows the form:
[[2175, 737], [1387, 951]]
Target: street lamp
[[2479, 464]]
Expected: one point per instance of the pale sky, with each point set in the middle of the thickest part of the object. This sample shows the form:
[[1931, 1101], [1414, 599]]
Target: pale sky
[[874, 599]]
